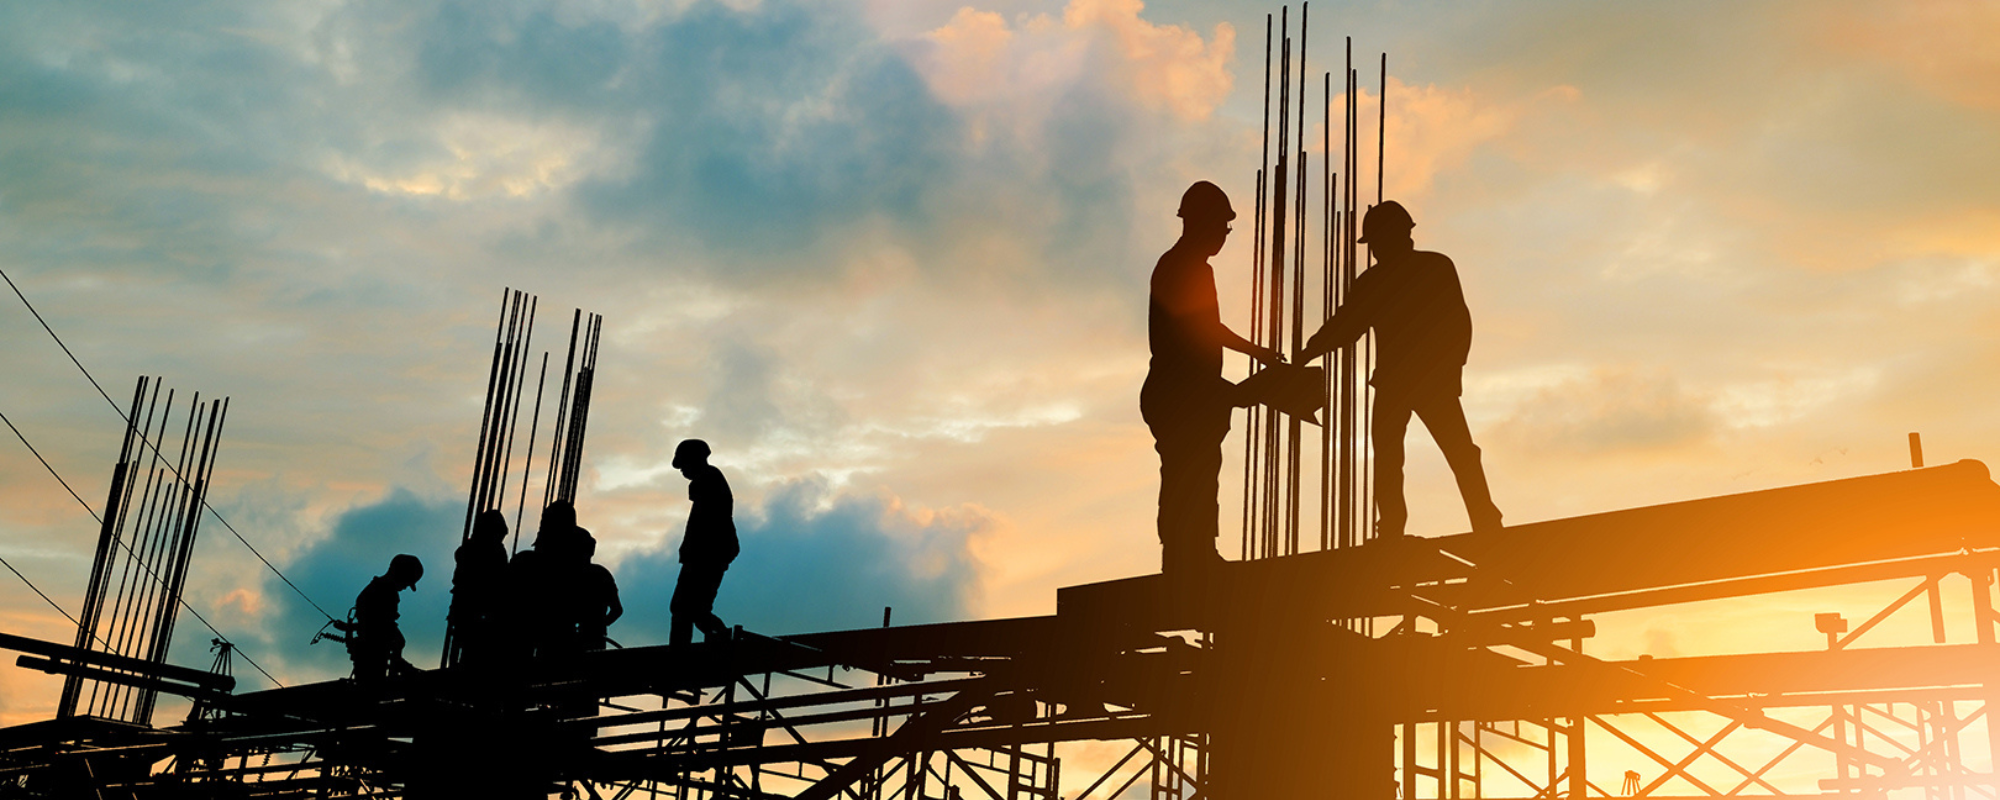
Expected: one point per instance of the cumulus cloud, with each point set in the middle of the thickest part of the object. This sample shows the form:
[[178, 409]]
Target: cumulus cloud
[[482, 156], [1943, 48], [814, 558], [803, 126], [914, 258], [817, 559], [1432, 130], [1609, 411], [356, 548], [979, 60]]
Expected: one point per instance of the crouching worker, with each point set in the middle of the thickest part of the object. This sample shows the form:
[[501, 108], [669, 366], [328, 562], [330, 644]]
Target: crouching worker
[[706, 549], [374, 641]]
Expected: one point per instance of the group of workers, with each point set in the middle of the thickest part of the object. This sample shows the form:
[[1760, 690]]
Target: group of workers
[[1412, 300], [551, 600]]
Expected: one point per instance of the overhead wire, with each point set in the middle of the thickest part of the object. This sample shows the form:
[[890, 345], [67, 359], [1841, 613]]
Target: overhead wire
[[93, 512], [121, 416], [46, 465], [128, 549]]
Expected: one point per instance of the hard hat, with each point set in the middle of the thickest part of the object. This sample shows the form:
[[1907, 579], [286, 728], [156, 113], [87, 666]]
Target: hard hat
[[1389, 216], [491, 524], [559, 517], [689, 452], [1205, 201], [407, 565]]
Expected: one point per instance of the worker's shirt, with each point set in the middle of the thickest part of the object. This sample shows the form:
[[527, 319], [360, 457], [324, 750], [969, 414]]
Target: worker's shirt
[[477, 581], [1183, 319], [1422, 326], [600, 593], [375, 610], [711, 525]]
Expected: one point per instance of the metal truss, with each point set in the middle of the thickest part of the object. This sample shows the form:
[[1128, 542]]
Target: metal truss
[[1933, 739], [1248, 682]]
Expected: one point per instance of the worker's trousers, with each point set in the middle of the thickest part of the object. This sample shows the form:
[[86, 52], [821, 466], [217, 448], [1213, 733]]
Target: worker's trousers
[[1445, 418], [693, 605], [1189, 420]]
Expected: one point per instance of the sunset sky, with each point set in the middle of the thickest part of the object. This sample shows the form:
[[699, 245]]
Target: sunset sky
[[890, 258]]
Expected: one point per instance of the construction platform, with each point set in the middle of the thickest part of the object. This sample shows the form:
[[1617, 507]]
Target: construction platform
[[1386, 670]]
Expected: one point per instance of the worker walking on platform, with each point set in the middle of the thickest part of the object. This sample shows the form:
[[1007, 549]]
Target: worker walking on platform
[[1413, 300], [374, 640], [1185, 401], [706, 549]]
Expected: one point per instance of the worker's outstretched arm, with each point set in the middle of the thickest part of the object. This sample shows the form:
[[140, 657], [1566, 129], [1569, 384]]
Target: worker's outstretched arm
[[1250, 348], [1347, 325]]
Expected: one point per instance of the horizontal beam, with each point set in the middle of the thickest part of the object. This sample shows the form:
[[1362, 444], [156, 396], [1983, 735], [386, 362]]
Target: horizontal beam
[[64, 652], [1919, 566], [1812, 526], [1795, 536], [747, 707], [1764, 680], [53, 667]]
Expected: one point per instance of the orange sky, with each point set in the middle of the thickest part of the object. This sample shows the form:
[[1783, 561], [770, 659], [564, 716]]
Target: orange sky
[[891, 259]]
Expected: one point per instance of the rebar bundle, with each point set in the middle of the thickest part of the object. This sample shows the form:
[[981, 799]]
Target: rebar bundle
[[506, 384], [143, 549], [573, 408], [1277, 456]]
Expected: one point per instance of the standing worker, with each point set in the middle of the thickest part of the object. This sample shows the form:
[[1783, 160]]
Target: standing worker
[[374, 641], [1186, 402], [706, 549], [477, 587], [1413, 300], [595, 596], [534, 587]]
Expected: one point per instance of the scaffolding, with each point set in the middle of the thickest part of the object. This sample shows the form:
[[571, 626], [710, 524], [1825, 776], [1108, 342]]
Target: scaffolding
[[1323, 664], [1249, 685]]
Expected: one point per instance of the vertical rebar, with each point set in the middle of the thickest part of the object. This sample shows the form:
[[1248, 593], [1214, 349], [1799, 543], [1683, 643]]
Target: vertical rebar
[[556, 453], [1253, 415], [1327, 283], [527, 465]]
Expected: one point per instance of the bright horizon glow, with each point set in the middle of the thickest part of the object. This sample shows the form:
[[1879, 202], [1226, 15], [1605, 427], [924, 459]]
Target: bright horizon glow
[[890, 257]]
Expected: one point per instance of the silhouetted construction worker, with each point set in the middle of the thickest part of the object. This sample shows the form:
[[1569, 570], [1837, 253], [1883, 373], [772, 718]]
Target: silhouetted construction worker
[[477, 587], [537, 620], [707, 547], [1186, 402], [1413, 300], [597, 596], [374, 641]]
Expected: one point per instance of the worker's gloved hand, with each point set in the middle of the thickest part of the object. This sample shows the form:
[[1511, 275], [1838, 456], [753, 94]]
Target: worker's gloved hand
[[1269, 356]]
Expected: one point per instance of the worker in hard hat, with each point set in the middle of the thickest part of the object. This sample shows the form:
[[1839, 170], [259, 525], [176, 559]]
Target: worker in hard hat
[[536, 595], [374, 641], [1413, 300], [706, 549], [1185, 401], [478, 589], [593, 594]]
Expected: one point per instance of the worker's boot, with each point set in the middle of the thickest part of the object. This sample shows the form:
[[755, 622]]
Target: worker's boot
[[1487, 521]]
